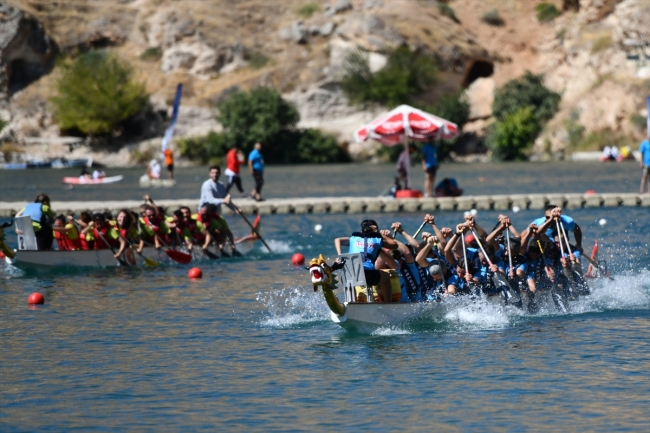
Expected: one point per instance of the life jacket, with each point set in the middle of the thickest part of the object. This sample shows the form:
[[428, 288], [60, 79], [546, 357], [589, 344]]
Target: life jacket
[[412, 281], [369, 245], [152, 226], [35, 212], [100, 241], [65, 243]]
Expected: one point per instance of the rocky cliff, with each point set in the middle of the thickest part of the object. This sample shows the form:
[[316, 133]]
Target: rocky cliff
[[215, 46]]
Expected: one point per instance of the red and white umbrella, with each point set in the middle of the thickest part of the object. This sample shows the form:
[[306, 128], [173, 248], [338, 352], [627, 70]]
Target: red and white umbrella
[[418, 125]]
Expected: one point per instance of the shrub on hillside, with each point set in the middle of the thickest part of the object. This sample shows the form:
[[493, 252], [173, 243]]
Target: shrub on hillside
[[406, 75], [308, 9], [447, 11], [97, 93], [571, 5], [527, 91], [511, 137], [546, 12], [492, 18]]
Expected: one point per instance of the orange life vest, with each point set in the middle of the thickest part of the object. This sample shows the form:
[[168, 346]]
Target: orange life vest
[[65, 243]]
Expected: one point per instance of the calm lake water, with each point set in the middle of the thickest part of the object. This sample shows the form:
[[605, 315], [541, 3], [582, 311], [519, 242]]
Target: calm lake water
[[250, 347]]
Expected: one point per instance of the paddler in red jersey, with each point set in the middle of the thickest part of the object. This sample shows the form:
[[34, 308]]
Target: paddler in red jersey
[[154, 229], [127, 232], [188, 230], [105, 234], [216, 225], [66, 235]]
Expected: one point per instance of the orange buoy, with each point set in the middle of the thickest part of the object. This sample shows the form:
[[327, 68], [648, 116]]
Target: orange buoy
[[36, 298], [195, 273], [2, 255], [590, 192], [298, 259]]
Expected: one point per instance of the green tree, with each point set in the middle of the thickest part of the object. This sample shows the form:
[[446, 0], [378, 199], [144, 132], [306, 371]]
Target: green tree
[[527, 91], [97, 93], [512, 136], [260, 115], [406, 75]]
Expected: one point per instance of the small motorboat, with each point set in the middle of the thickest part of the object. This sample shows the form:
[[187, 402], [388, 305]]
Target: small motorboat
[[82, 180]]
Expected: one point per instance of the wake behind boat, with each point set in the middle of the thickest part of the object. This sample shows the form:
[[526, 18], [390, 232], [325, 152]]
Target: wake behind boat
[[82, 180]]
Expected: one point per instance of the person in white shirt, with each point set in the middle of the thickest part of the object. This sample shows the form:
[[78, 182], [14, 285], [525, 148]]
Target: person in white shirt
[[154, 169], [213, 191], [404, 166], [99, 174]]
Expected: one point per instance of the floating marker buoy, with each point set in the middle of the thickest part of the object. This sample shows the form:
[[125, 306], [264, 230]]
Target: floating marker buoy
[[515, 209], [298, 259], [318, 228], [473, 212], [195, 273], [2, 255], [602, 222], [36, 298], [590, 192]]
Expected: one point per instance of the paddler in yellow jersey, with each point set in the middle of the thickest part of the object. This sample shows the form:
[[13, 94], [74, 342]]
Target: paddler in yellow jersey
[[216, 225], [42, 219], [66, 234], [189, 230], [154, 229]]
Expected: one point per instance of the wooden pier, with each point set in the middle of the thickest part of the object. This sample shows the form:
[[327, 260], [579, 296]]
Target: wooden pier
[[368, 204]]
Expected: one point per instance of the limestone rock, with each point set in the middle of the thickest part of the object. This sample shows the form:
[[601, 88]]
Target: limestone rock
[[195, 56], [342, 6], [369, 32], [480, 95], [327, 29], [372, 4], [297, 32], [26, 51]]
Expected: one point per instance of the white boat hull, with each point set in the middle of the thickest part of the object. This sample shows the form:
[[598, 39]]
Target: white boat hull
[[105, 258], [366, 317], [145, 182]]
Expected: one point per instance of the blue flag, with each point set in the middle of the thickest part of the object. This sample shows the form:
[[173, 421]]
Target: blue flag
[[172, 123]]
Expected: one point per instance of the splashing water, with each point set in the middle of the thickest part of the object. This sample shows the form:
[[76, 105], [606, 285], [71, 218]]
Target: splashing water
[[293, 306]]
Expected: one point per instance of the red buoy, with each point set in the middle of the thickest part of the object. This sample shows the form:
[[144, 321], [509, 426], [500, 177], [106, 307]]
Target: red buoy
[[298, 259], [195, 273], [36, 298], [590, 192], [2, 255]]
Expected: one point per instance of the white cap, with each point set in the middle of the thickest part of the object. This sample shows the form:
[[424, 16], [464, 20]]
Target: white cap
[[435, 270]]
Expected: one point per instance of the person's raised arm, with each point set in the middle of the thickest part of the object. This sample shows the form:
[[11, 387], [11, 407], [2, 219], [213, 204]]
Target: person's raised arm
[[388, 241], [578, 235], [432, 222], [421, 258], [340, 241], [450, 247], [525, 237], [388, 259], [397, 227]]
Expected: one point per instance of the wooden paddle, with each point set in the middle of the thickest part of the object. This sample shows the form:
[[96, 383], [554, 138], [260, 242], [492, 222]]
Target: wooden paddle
[[147, 260], [251, 226], [122, 262]]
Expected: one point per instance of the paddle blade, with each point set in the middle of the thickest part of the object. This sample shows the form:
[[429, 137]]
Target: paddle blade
[[179, 257], [211, 255], [150, 262]]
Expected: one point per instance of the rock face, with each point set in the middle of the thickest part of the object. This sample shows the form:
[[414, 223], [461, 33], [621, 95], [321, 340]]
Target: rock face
[[26, 51], [480, 95]]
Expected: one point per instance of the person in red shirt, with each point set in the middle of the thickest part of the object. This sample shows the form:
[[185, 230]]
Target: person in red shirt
[[234, 158]]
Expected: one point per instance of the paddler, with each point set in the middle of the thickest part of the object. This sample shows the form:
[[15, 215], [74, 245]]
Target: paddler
[[42, 219], [67, 235], [87, 239], [154, 229], [127, 231], [547, 225], [189, 230], [216, 225], [369, 242], [105, 234]]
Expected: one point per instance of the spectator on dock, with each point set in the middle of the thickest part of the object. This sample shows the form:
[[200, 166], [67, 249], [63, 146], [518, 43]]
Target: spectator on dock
[[234, 158], [256, 165], [430, 166], [645, 163]]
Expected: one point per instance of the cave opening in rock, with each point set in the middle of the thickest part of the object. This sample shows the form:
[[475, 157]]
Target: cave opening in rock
[[21, 74], [477, 69]]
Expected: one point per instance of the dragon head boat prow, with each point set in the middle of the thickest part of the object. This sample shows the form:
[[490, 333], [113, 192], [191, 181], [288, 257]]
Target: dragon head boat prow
[[322, 275]]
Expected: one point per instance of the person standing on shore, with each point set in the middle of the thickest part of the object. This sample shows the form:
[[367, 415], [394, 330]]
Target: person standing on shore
[[256, 165], [430, 166], [234, 158], [645, 163], [169, 162], [213, 191]]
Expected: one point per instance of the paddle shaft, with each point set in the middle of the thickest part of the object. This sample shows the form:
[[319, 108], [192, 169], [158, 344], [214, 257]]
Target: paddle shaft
[[480, 245], [509, 252], [122, 262], [252, 227], [566, 239], [559, 234], [147, 260], [462, 238], [417, 232]]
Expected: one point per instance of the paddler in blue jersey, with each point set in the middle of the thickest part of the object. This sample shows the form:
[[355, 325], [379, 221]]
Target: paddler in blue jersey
[[547, 225], [42, 220], [369, 242]]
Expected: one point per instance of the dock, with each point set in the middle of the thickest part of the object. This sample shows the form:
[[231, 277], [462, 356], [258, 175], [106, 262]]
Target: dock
[[320, 205]]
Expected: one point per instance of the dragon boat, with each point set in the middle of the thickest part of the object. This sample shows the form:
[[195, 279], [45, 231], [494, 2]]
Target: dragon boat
[[359, 310], [27, 256]]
